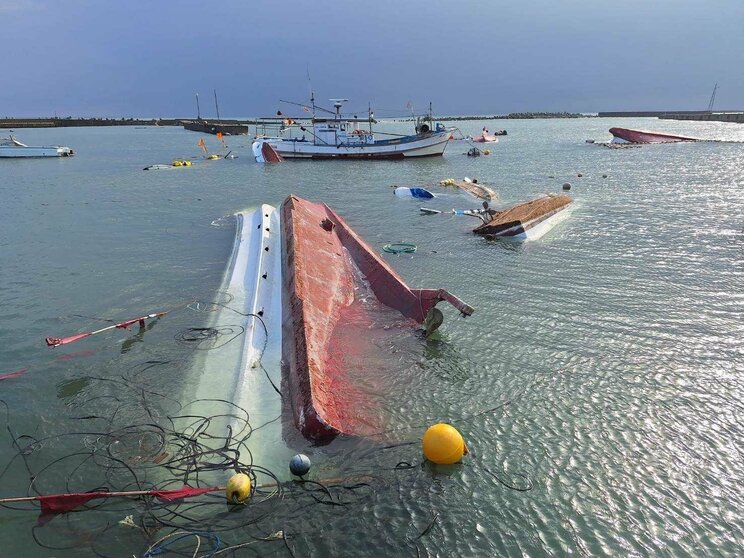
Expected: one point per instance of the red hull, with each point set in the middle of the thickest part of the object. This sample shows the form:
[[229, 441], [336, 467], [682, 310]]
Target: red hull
[[639, 136], [323, 262], [269, 154]]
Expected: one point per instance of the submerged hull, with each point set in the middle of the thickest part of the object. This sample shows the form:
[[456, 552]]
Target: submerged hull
[[640, 136], [527, 221], [428, 145], [327, 270], [31, 151], [237, 369], [216, 127]]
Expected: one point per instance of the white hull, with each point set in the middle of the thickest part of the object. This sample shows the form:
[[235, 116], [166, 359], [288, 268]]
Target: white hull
[[536, 229], [245, 359], [427, 146], [31, 151]]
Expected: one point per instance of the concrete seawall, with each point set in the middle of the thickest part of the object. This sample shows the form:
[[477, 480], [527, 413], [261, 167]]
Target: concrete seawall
[[701, 115]]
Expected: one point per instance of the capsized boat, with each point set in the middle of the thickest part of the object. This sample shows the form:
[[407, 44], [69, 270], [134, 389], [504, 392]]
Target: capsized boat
[[330, 278], [421, 193], [339, 137], [525, 221], [11, 147], [624, 135], [264, 153], [239, 354], [472, 187], [484, 137]]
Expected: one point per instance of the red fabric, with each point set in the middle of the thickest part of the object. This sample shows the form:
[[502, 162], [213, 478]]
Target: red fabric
[[181, 493], [61, 503]]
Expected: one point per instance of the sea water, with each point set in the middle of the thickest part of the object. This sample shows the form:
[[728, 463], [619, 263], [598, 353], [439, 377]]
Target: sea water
[[598, 384]]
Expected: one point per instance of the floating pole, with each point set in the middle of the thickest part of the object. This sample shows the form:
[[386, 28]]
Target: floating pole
[[63, 503], [57, 341]]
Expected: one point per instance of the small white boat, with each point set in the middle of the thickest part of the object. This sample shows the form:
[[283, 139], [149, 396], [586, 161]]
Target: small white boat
[[338, 137], [11, 147]]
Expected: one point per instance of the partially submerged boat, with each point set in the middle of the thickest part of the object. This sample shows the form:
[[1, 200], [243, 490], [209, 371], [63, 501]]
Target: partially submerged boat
[[11, 147], [237, 361], [264, 153], [333, 283], [525, 221], [484, 137], [340, 137], [420, 193], [624, 135], [472, 187]]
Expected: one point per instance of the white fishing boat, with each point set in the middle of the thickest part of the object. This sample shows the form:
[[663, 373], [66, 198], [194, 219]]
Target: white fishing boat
[[11, 147], [340, 137]]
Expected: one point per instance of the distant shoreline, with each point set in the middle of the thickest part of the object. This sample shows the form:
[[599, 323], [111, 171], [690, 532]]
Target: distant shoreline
[[70, 122]]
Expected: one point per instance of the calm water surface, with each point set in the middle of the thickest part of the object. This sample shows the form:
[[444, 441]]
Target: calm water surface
[[599, 384]]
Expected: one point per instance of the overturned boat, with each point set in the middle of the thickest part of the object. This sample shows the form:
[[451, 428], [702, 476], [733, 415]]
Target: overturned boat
[[334, 287], [264, 153], [11, 147], [624, 135], [525, 221], [472, 187]]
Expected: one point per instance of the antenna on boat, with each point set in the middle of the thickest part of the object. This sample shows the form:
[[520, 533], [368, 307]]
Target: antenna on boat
[[338, 103], [371, 116], [712, 98], [216, 105], [198, 112], [312, 93]]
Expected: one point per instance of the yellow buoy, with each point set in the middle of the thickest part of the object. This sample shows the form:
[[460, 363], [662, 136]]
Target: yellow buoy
[[486, 152], [238, 488], [443, 444]]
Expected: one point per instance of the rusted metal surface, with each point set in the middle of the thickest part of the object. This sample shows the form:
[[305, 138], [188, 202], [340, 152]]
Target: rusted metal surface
[[323, 261]]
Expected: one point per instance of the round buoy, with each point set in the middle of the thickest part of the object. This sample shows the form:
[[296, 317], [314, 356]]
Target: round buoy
[[566, 186], [443, 444], [486, 152], [238, 488], [579, 175], [604, 176], [299, 465]]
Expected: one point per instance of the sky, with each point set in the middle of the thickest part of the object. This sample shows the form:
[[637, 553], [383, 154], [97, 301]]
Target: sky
[[137, 58]]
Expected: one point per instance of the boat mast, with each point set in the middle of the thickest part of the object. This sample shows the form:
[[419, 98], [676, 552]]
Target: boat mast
[[198, 112], [712, 99], [216, 105], [369, 113]]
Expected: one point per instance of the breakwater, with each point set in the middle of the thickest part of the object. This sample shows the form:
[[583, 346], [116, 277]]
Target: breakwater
[[702, 115], [82, 122]]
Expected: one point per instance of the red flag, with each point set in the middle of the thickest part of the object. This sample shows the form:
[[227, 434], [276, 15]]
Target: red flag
[[181, 493]]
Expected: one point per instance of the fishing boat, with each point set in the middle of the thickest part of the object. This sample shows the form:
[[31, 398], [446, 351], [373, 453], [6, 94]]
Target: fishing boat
[[11, 147], [335, 286], [525, 221], [623, 135], [335, 136]]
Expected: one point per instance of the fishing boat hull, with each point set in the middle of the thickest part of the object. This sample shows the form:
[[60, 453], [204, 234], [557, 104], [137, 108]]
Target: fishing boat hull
[[329, 276], [237, 365], [527, 221], [425, 145], [264, 153], [31, 151], [621, 135]]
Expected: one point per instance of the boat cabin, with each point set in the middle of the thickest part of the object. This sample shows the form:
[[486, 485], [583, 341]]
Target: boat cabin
[[341, 132]]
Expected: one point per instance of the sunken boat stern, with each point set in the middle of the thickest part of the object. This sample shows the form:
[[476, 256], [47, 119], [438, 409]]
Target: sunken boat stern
[[322, 258]]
